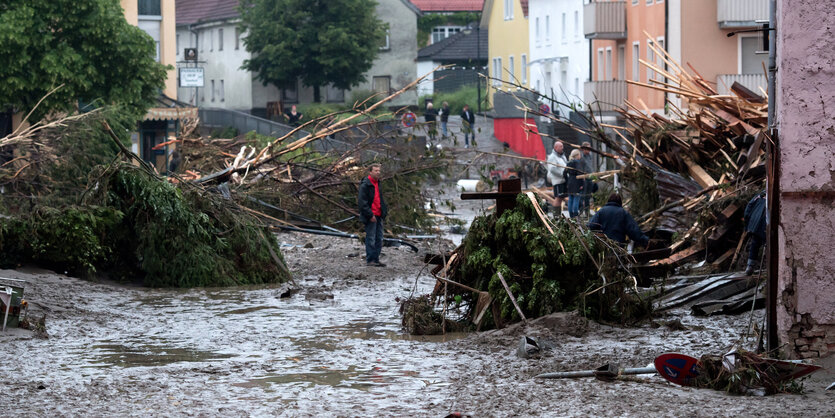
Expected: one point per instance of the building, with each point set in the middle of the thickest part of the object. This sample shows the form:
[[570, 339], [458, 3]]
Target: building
[[161, 123], [465, 51], [559, 52], [802, 265], [693, 32], [211, 27], [447, 18], [507, 22]]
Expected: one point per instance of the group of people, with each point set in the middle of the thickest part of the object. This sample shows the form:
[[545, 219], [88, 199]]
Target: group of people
[[566, 177], [432, 116]]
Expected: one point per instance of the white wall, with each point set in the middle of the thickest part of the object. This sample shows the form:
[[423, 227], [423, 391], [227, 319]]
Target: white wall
[[556, 53], [219, 65], [427, 85]]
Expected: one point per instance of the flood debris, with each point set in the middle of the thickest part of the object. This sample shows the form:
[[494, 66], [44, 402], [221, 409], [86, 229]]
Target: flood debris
[[607, 372]]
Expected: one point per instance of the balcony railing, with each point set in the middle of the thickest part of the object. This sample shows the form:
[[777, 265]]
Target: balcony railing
[[605, 95], [740, 13], [605, 20], [752, 81]]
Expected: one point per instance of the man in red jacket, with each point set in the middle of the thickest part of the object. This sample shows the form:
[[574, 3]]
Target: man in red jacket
[[373, 211]]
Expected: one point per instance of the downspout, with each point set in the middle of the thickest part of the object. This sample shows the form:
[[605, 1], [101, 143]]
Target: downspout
[[196, 47], [666, 47], [773, 187]]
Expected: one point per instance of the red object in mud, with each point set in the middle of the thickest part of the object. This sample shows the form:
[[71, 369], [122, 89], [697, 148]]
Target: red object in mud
[[678, 368]]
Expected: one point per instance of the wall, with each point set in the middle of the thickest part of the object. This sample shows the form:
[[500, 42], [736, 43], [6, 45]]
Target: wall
[[168, 46], [574, 47], [427, 86], [506, 38], [219, 65], [805, 94]]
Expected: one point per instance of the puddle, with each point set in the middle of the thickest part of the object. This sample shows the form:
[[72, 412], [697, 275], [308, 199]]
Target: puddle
[[144, 356]]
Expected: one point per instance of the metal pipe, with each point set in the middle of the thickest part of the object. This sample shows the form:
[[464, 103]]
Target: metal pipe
[[591, 373]]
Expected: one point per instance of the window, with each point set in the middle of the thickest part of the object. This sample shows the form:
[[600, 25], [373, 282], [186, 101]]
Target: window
[[636, 53], [508, 9], [237, 38], [562, 30], [290, 94], [621, 62], [547, 28], [564, 81], [538, 86], [576, 24], [576, 86], [211, 40], [536, 31], [659, 58], [222, 92], [524, 69], [149, 8], [220, 39], [381, 84], [201, 38], [497, 71], [649, 2], [386, 42], [749, 61], [600, 74], [634, 2], [178, 44], [510, 70], [213, 90], [151, 26], [650, 60], [608, 63], [440, 33], [334, 94]]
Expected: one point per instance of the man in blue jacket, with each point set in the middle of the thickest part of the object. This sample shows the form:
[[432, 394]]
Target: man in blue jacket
[[373, 211], [755, 221], [617, 223]]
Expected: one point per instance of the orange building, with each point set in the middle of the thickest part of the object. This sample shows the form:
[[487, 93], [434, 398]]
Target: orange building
[[693, 32]]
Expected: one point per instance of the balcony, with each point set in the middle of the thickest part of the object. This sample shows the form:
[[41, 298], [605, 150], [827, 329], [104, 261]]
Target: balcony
[[751, 81], [604, 95], [605, 20], [740, 13]]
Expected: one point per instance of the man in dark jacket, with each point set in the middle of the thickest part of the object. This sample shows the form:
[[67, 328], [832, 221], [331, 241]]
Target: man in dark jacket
[[468, 125], [373, 212], [430, 115], [755, 221], [617, 223]]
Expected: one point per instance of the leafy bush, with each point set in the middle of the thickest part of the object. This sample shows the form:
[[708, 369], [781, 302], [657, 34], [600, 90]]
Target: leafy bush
[[457, 99], [226, 132]]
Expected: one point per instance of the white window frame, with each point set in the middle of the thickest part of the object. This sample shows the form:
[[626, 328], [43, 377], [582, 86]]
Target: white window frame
[[222, 92], [576, 24], [650, 58], [634, 2], [649, 2], [622, 62], [178, 44], [220, 39], [524, 69], [213, 90], [211, 40], [600, 62], [536, 37], [576, 86], [511, 71], [508, 9], [636, 66], [387, 45], [609, 65], [659, 59], [547, 28], [237, 38], [562, 30]]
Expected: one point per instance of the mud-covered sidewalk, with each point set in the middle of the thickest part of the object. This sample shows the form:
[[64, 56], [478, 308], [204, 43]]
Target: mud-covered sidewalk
[[334, 347]]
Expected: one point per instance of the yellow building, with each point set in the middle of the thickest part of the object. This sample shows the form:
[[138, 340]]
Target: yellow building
[[159, 20], [507, 23]]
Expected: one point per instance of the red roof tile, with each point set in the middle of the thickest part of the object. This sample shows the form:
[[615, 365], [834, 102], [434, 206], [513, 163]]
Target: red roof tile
[[449, 5], [524, 7]]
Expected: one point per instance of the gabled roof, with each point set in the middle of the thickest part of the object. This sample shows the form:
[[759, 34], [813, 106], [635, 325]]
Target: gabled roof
[[488, 8], [194, 11], [449, 5], [458, 47]]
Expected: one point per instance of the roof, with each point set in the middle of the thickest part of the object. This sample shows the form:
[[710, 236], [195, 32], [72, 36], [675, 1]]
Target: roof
[[524, 7], [488, 8], [449, 5], [458, 47], [194, 11]]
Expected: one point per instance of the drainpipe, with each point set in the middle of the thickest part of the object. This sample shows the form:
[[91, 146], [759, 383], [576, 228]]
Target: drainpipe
[[773, 187], [196, 47], [666, 46]]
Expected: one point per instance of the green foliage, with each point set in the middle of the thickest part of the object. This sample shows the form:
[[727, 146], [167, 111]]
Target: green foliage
[[226, 132], [645, 186], [318, 110], [466, 95], [86, 45], [319, 42], [429, 21], [546, 272]]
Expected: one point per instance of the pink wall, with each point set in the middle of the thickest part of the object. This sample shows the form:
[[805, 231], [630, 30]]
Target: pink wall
[[806, 120]]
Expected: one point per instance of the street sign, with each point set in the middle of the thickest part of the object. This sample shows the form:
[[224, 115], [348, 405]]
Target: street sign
[[409, 119], [544, 109], [191, 77]]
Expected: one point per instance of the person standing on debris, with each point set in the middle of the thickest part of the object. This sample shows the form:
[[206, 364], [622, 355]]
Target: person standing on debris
[[373, 212], [574, 186], [617, 223], [755, 221], [468, 125], [293, 116], [588, 184], [430, 116], [556, 167], [444, 114]]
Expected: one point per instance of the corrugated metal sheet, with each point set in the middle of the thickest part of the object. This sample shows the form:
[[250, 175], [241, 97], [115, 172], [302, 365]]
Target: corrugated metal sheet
[[751, 81], [605, 95], [605, 20], [740, 13]]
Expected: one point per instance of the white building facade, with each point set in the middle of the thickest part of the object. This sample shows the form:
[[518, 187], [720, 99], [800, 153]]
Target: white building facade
[[559, 62]]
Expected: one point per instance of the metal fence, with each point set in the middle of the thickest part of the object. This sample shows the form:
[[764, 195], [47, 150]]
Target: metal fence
[[243, 122]]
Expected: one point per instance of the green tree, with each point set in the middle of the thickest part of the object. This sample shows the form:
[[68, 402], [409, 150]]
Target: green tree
[[317, 41], [86, 45]]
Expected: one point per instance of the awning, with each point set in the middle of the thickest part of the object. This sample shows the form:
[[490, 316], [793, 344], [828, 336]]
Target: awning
[[170, 109]]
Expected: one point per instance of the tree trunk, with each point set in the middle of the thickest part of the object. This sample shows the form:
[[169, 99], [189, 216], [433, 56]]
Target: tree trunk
[[317, 94]]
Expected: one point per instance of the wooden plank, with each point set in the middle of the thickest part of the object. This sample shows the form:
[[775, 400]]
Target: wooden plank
[[698, 173], [680, 257], [510, 294], [729, 212], [746, 94]]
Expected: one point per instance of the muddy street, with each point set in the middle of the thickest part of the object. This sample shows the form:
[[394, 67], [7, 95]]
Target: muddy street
[[335, 347]]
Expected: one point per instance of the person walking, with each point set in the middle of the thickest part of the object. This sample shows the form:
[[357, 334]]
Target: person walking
[[617, 223], [588, 184], [755, 221], [430, 116], [468, 125], [373, 212], [574, 186], [556, 167], [444, 115]]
